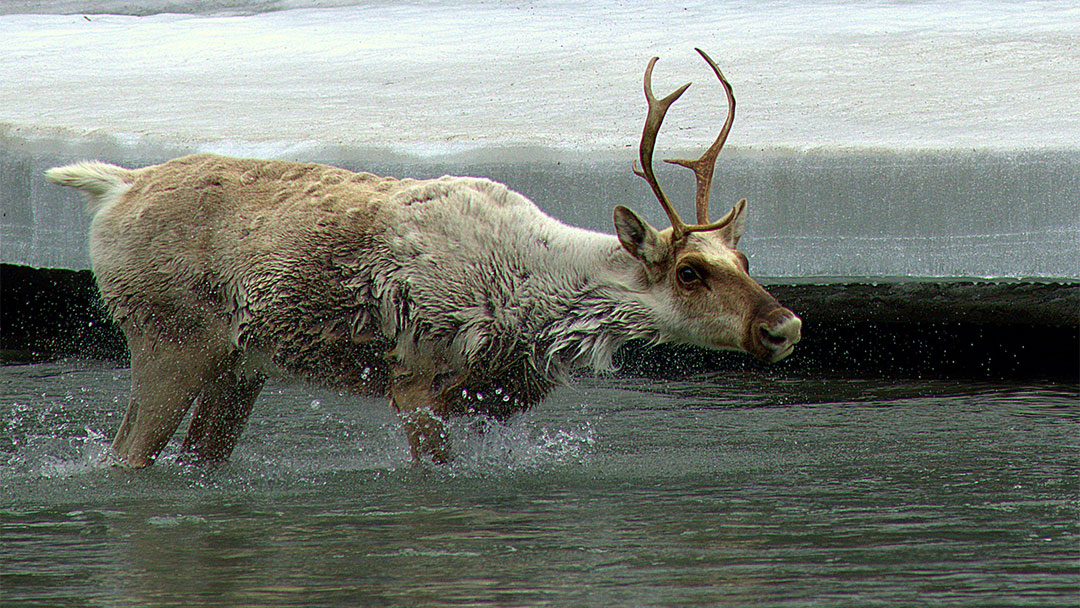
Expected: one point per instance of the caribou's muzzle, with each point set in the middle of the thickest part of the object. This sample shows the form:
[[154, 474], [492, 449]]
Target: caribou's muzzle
[[775, 334]]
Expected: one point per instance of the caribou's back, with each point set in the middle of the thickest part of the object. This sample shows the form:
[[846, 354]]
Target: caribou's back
[[320, 270], [242, 251]]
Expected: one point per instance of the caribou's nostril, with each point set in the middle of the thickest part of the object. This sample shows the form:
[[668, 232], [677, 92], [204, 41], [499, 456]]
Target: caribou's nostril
[[769, 339]]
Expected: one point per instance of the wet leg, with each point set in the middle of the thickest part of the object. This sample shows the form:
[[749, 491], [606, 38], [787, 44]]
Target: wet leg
[[420, 411], [221, 411], [165, 378]]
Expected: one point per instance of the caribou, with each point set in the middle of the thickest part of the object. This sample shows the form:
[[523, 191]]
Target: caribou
[[449, 296]]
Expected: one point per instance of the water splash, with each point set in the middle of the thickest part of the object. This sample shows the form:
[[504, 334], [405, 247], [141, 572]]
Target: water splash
[[486, 445], [44, 436], [52, 457]]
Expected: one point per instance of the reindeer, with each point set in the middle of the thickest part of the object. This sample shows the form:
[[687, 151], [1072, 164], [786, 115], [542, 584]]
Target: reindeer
[[451, 296]]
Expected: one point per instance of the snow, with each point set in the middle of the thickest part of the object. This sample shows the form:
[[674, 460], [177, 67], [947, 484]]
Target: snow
[[429, 77]]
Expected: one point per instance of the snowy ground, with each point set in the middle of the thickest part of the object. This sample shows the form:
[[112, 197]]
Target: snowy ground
[[431, 76], [930, 87]]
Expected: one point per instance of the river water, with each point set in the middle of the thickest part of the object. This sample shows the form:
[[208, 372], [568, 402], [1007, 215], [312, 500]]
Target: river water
[[766, 489]]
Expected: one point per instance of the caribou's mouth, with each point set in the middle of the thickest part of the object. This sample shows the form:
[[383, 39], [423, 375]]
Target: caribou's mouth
[[777, 338], [781, 354]]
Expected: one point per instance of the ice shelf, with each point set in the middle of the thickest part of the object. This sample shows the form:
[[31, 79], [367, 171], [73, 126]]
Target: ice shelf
[[873, 139]]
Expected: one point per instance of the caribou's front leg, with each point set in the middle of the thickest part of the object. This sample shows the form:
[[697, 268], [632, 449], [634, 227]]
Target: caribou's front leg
[[417, 402]]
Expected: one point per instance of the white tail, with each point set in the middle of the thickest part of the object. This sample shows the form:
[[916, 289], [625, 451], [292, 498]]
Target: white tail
[[102, 181]]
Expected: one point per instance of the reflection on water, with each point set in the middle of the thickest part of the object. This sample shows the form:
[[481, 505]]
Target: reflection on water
[[764, 490]]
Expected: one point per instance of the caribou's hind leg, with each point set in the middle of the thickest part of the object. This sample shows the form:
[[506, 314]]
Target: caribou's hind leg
[[166, 376], [221, 410]]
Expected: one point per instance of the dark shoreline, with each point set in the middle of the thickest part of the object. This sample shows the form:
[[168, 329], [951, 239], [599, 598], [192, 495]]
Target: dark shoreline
[[963, 329]]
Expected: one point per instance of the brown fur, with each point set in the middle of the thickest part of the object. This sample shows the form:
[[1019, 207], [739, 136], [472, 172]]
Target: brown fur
[[432, 292]]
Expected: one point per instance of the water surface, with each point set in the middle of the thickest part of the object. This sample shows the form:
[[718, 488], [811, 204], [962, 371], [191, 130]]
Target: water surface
[[767, 489]]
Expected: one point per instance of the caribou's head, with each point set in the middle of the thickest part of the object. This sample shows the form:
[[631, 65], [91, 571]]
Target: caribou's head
[[695, 270]]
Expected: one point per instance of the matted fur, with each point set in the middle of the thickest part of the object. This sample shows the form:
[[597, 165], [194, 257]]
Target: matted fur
[[435, 292]]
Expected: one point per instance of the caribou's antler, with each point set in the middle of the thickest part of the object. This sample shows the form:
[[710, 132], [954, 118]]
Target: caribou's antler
[[657, 110], [703, 167]]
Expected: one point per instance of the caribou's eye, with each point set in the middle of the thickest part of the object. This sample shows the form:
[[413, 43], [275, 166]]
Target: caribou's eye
[[688, 275]]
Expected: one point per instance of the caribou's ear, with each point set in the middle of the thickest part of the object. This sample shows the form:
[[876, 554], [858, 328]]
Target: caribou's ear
[[637, 236], [733, 231]]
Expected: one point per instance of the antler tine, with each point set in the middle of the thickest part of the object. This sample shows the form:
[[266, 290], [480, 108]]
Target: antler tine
[[704, 167], [657, 109]]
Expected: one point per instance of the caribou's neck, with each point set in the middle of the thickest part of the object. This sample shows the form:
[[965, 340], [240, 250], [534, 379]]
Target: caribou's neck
[[604, 304]]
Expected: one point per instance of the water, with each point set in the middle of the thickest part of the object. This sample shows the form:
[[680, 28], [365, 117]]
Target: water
[[766, 490]]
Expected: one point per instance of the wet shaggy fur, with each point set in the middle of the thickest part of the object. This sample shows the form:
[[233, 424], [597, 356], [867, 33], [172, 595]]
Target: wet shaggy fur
[[451, 295]]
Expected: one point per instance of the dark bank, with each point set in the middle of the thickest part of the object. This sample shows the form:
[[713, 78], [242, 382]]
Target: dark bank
[[964, 329]]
